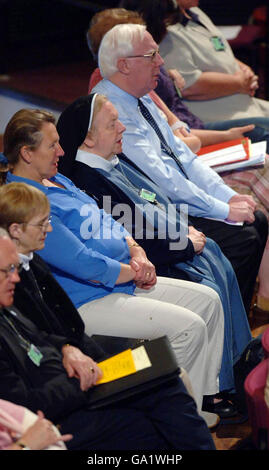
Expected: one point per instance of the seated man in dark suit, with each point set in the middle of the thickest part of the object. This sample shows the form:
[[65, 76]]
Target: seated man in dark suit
[[33, 374]]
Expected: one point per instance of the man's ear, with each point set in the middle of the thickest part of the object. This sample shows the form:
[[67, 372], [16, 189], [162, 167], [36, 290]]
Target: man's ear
[[25, 153], [15, 231], [122, 65]]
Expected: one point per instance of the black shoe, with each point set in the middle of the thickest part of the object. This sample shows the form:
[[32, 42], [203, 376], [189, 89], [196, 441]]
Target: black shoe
[[223, 408]]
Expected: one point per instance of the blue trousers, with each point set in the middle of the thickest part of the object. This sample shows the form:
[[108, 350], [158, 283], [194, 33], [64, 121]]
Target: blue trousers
[[214, 270], [164, 418]]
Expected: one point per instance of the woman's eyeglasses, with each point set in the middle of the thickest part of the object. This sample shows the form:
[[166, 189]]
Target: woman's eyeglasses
[[43, 226]]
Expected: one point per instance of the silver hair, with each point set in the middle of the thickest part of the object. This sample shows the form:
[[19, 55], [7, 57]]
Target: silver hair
[[118, 42], [4, 233]]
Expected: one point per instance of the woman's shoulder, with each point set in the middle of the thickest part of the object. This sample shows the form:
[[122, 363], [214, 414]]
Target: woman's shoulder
[[203, 17]]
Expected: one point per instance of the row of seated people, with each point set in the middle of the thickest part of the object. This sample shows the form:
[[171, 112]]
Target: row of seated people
[[25, 214], [105, 271], [194, 340]]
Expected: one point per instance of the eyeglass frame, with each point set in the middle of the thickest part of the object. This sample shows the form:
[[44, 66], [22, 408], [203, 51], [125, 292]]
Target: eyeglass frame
[[11, 270], [43, 226], [150, 55]]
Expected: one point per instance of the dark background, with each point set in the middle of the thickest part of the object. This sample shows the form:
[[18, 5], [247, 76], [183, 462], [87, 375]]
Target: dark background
[[41, 32]]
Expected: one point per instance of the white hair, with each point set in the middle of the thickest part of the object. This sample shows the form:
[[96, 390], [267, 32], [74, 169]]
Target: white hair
[[118, 42], [4, 233]]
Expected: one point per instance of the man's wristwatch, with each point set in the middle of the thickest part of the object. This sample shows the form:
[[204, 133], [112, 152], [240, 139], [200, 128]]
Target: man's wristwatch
[[22, 445]]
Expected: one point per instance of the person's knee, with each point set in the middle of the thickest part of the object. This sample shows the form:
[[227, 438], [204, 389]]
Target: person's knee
[[254, 237], [213, 299], [216, 307], [261, 225], [199, 332], [192, 337], [212, 304]]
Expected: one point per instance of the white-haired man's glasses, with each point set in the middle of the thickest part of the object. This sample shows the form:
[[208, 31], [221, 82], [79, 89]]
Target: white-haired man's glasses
[[151, 55]]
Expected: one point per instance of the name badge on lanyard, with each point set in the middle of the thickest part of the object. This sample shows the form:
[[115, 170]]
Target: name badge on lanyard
[[147, 195], [218, 43], [35, 355]]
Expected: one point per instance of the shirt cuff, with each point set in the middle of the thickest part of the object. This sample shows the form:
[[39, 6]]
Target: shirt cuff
[[226, 193], [112, 273], [220, 210]]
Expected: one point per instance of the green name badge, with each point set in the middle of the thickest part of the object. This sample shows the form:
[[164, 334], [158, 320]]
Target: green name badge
[[217, 43], [35, 355], [147, 195]]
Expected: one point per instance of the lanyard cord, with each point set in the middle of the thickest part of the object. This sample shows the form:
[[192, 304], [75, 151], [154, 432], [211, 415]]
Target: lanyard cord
[[24, 343], [128, 182], [137, 190]]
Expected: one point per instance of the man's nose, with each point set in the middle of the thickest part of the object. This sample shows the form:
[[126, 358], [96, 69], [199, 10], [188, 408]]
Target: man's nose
[[160, 60], [122, 127], [60, 151], [14, 277]]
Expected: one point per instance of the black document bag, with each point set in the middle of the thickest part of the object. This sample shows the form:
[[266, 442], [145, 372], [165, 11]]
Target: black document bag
[[164, 368]]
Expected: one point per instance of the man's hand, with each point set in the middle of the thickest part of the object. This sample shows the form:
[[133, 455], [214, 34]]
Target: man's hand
[[245, 198], [240, 211], [80, 366], [41, 434], [198, 240]]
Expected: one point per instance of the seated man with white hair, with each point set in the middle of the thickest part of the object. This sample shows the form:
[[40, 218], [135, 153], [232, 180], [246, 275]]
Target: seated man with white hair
[[130, 63]]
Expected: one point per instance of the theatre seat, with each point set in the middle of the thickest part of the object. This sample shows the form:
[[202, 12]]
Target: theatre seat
[[258, 410], [265, 342]]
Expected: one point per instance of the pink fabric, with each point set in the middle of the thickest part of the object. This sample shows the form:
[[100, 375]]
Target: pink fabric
[[11, 419], [254, 182], [95, 78]]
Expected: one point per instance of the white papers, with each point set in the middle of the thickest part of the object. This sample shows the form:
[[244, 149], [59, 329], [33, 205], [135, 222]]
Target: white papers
[[225, 155], [230, 32], [257, 157]]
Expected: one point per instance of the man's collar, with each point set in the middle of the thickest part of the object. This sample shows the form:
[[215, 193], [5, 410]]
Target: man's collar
[[129, 100], [95, 161], [193, 17], [117, 91]]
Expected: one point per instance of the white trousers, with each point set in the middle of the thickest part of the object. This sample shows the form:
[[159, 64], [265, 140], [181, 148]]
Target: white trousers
[[189, 314]]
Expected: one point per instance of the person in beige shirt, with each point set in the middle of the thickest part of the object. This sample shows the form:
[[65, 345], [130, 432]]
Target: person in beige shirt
[[217, 85]]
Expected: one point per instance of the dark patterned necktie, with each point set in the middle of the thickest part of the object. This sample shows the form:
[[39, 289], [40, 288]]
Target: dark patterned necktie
[[165, 147]]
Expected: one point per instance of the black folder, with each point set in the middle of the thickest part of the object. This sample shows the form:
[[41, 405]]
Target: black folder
[[164, 368]]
